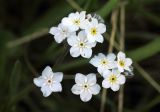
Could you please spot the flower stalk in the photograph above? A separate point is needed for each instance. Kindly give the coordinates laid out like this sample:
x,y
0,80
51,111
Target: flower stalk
x,y
122,47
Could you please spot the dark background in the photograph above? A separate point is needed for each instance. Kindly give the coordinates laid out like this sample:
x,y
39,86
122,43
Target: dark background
x,y
21,59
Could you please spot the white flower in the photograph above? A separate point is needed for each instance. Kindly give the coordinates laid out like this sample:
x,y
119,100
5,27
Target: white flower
x,y
123,63
103,62
60,33
80,45
95,30
113,79
75,21
49,81
85,86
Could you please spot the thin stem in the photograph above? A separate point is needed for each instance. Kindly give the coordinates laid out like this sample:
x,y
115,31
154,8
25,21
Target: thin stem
x,y
29,65
116,45
114,29
122,47
74,5
103,99
122,27
112,38
28,38
147,77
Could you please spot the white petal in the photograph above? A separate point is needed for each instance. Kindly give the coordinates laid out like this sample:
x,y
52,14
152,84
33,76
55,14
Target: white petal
x,y
127,68
99,38
58,76
121,79
94,22
82,35
115,87
116,72
106,73
91,79
46,91
72,15
121,55
85,96
66,21
101,28
100,70
74,51
76,89
80,78
91,44
59,38
38,81
47,71
86,53
82,15
106,84
111,56
56,87
112,65
95,61
91,38
120,69
72,40
101,55
73,28
84,24
128,61
54,30
95,89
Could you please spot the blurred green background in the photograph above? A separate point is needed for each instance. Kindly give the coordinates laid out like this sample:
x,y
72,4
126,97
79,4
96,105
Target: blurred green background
x,y
26,48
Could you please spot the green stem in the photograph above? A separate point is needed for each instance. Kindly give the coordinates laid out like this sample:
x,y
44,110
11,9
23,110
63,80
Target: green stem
x,y
147,77
122,47
74,5
112,38
28,38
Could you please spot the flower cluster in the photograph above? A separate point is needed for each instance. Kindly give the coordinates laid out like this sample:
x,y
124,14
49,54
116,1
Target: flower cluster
x,y
82,32
112,69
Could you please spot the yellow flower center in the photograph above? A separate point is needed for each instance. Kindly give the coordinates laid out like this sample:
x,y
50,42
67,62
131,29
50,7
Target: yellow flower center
x,y
104,61
112,79
76,22
85,86
81,44
93,31
121,63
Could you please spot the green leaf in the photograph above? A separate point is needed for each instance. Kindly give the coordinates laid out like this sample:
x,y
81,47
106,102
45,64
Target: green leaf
x,y
107,8
14,85
5,37
53,16
15,78
71,65
145,51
